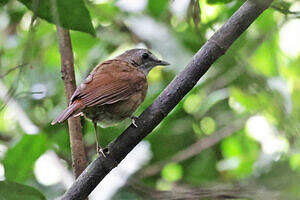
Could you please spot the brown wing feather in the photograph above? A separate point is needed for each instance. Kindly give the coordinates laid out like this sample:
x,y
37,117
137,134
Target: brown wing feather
x,y
109,83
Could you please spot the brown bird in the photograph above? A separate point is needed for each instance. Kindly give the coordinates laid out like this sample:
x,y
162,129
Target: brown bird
x,y
113,90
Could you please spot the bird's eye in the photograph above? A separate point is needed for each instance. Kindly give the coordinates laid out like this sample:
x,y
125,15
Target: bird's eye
x,y
145,55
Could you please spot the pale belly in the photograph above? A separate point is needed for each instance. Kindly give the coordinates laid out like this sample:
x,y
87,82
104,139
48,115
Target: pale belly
x,y
112,114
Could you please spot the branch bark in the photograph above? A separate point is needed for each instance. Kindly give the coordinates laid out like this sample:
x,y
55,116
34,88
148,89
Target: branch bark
x,y
68,77
214,48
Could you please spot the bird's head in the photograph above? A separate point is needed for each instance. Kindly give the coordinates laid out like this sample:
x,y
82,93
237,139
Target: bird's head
x,y
142,59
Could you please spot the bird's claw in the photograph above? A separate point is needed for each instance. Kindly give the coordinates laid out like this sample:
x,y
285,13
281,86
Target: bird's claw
x,y
133,118
101,151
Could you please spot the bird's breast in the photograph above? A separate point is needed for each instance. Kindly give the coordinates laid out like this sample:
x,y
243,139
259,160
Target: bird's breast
x,y
112,114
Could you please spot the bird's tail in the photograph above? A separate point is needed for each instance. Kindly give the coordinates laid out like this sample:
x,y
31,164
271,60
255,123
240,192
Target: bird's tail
x,y
71,110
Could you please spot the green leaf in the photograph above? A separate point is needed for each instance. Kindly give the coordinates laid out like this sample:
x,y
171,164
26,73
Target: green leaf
x,y
105,12
295,161
264,59
19,160
244,149
292,70
157,7
15,191
71,14
201,168
266,22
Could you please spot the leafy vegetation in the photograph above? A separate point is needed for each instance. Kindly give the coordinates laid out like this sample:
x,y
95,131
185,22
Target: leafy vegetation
x,y
246,109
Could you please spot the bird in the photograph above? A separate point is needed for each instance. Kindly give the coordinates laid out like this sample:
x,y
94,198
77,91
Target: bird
x,y
113,90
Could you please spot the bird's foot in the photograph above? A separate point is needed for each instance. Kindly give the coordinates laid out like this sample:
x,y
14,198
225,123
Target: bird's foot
x,y
133,119
106,150
102,152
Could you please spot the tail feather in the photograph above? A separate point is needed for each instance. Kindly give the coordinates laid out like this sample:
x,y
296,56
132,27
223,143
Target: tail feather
x,y
71,110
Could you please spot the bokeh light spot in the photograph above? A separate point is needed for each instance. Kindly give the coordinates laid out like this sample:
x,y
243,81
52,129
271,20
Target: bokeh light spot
x,y
46,171
172,172
192,103
208,125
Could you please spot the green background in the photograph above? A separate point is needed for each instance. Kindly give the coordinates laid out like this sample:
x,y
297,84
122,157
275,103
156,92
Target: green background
x,y
238,128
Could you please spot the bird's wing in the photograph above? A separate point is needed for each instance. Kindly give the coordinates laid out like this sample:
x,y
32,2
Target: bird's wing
x,y
110,82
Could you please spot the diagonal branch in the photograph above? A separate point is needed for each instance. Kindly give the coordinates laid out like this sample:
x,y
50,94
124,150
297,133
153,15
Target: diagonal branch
x,y
217,191
68,76
214,48
11,70
195,148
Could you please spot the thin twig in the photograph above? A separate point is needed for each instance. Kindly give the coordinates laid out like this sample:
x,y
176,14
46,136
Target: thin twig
x,y
284,11
68,76
195,148
13,88
12,69
4,137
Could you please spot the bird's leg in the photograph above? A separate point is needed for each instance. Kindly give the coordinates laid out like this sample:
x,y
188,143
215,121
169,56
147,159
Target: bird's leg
x,y
133,118
99,149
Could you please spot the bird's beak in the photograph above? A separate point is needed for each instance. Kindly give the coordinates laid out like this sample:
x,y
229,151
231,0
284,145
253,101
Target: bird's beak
x,y
163,63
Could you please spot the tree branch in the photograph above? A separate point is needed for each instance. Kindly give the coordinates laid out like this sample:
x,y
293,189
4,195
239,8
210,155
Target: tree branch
x,y
68,77
214,48
11,70
215,192
195,148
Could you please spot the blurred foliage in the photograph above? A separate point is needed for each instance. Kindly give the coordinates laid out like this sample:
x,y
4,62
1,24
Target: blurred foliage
x,y
258,78
26,151
69,14
15,191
